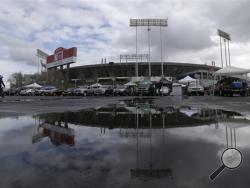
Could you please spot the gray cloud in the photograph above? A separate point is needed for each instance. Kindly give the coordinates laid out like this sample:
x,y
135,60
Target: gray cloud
x,y
192,26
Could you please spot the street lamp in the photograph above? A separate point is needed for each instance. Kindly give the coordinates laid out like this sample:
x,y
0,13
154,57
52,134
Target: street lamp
x,y
75,80
147,23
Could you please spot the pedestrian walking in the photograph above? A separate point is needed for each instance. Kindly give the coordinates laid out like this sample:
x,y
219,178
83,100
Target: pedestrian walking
x,y
2,85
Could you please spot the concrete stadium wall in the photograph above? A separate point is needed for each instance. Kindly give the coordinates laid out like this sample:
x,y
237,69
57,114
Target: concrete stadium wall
x,y
92,72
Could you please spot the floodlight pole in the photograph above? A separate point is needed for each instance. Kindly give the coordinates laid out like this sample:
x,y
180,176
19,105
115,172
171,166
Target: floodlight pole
x,y
149,63
148,23
136,51
229,59
221,53
162,71
227,38
225,51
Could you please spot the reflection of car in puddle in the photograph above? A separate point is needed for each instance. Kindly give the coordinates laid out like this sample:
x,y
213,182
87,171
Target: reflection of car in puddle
x,y
58,132
123,115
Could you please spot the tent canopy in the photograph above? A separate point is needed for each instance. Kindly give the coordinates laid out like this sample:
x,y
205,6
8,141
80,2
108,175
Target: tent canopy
x,y
145,82
130,84
34,85
186,80
96,85
231,71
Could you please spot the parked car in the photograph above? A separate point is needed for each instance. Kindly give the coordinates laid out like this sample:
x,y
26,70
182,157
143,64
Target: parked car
x,y
27,92
69,92
104,90
145,88
164,90
81,90
11,91
107,90
50,91
92,90
230,86
121,90
195,88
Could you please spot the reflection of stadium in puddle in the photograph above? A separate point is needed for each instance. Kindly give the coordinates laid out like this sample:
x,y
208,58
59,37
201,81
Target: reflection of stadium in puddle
x,y
58,132
130,144
139,120
124,115
135,119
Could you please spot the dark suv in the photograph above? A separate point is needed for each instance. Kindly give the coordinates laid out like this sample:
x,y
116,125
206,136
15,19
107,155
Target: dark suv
x,y
230,86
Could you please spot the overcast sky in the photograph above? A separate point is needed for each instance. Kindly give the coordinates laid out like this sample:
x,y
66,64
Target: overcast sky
x,y
100,28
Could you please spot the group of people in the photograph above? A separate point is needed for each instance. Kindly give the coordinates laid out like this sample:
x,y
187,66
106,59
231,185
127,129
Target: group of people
x,y
1,86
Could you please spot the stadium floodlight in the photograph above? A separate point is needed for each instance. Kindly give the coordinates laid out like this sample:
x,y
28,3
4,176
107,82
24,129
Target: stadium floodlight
x,y
223,34
149,23
226,37
134,56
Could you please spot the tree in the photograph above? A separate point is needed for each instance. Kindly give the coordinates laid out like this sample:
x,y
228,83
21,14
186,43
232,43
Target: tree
x,y
16,80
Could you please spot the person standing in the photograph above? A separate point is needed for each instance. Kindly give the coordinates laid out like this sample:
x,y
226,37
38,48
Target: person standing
x,y
2,85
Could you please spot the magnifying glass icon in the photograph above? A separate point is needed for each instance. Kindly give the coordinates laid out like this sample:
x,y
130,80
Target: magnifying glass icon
x,y
231,158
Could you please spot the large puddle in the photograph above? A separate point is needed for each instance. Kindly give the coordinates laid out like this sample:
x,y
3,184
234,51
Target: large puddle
x,y
130,144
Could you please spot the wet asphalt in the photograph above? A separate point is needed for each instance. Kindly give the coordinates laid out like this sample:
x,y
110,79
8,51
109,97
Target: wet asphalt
x,y
17,105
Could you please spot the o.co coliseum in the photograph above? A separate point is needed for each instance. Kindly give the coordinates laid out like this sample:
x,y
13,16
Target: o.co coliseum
x,y
117,72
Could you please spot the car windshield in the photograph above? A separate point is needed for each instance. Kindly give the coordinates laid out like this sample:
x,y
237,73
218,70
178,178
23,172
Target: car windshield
x,y
83,87
106,86
194,84
120,87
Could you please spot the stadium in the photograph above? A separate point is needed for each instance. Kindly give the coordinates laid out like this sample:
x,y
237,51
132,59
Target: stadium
x,y
60,72
123,72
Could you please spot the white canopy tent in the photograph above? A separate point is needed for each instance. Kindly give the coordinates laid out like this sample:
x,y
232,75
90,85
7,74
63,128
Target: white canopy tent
x,y
34,85
130,84
186,80
96,85
232,71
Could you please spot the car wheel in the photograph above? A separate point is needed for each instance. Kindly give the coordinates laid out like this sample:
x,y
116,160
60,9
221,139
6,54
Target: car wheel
x,y
220,93
243,94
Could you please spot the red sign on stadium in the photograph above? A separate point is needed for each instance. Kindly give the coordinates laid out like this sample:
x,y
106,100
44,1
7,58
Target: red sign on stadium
x,y
61,57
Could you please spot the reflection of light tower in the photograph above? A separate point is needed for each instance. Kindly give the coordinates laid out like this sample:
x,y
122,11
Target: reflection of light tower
x,y
147,23
151,171
231,157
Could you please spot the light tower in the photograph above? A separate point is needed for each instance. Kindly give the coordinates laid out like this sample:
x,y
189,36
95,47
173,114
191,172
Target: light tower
x,y
226,37
149,23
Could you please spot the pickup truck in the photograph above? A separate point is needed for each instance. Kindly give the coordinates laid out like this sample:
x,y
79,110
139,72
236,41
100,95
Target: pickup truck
x,y
145,88
195,88
230,86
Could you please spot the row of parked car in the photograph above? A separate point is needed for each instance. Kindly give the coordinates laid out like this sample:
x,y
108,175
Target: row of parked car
x,y
224,87
106,90
47,91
